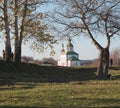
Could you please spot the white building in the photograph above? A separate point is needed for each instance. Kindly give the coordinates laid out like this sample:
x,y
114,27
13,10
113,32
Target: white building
x,y
69,58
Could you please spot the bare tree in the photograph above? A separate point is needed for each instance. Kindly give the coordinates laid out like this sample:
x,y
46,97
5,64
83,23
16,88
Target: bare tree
x,y
91,17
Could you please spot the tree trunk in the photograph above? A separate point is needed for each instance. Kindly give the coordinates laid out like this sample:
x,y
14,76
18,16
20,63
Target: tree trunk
x,y
102,71
7,37
7,52
17,56
16,49
19,38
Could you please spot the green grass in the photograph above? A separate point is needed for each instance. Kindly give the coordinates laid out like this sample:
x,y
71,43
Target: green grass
x,y
33,86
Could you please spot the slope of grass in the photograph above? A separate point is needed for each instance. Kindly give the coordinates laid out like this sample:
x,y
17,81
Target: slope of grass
x,y
35,73
33,86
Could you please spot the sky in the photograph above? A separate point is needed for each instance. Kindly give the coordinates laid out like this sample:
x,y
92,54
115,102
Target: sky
x,y
82,45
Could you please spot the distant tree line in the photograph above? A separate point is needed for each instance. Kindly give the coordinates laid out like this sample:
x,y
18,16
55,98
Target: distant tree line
x,y
50,61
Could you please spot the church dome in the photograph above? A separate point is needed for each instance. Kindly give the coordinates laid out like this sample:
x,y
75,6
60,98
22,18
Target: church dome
x,y
69,45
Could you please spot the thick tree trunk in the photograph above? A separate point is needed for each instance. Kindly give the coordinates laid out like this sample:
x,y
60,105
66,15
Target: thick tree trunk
x,y
102,71
16,49
7,38
17,56
7,52
19,38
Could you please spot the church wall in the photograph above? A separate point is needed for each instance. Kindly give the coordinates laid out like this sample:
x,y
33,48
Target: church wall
x,y
69,63
62,61
78,63
73,63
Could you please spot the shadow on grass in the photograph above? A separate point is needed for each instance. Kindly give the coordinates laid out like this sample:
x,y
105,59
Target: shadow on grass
x,y
115,68
21,107
51,106
18,87
57,107
25,72
117,77
87,103
99,103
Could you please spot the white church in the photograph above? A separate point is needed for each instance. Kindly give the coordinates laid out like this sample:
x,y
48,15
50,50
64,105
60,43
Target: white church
x,y
69,58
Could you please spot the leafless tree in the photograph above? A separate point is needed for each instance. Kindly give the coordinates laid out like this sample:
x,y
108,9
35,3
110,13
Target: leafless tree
x,y
90,17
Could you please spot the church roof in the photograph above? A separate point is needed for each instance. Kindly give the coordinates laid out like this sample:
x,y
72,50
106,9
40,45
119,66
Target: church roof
x,y
73,59
72,53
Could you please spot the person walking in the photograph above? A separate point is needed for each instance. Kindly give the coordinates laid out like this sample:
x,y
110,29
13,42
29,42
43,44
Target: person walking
x,y
111,62
3,54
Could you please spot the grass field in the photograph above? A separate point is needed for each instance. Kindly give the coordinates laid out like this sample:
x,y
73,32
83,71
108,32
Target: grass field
x,y
33,86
